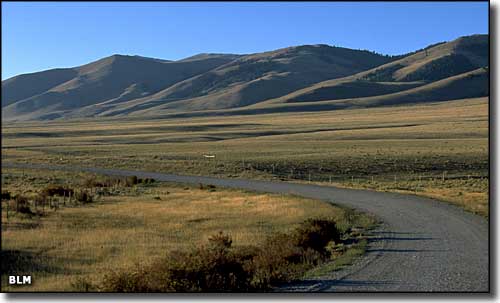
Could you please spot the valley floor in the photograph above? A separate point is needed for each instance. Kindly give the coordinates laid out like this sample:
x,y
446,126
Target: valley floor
x,y
435,149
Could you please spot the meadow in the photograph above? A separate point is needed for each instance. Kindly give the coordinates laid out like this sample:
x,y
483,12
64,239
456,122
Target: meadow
x,y
137,225
434,149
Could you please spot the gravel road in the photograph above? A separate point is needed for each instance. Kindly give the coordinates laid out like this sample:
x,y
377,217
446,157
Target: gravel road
x,y
423,245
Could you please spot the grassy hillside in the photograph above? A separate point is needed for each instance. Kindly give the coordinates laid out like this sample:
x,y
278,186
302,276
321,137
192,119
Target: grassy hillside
x,y
467,85
471,84
120,84
443,72
437,62
432,64
351,89
28,85
106,82
254,78
300,78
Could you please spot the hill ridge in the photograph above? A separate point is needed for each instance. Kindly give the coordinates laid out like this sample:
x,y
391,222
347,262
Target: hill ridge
x,y
135,85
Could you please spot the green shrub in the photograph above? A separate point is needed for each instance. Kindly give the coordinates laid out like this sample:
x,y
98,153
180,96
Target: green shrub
x,y
146,181
6,195
213,267
110,181
218,267
316,234
89,182
22,205
132,280
83,196
40,199
57,190
81,284
275,262
131,180
220,241
208,268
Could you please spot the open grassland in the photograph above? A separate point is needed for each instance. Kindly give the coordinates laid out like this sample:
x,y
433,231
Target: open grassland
x,y
436,149
138,225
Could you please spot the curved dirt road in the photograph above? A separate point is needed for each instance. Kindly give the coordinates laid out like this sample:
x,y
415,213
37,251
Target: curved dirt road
x,y
423,245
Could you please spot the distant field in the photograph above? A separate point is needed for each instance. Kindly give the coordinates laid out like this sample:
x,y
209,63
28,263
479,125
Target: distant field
x,y
434,149
138,225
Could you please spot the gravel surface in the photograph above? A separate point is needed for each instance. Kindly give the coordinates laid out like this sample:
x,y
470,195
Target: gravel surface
x,y
423,245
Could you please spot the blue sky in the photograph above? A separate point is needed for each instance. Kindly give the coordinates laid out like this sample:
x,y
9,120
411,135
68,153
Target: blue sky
x,y
38,36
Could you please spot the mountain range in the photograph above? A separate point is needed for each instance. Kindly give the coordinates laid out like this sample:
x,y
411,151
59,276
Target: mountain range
x,y
299,78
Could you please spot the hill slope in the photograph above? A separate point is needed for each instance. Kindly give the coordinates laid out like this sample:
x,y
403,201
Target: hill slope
x,y
253,78
308,77
426,66
114,79
467,85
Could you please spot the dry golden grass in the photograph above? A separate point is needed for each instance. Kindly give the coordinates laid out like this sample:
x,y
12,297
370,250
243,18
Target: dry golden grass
x,y
476,202
381,148
118,231
407,141
472,194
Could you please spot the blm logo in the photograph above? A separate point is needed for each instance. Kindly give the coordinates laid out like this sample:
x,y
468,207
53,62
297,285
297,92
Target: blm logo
x,y
19,280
